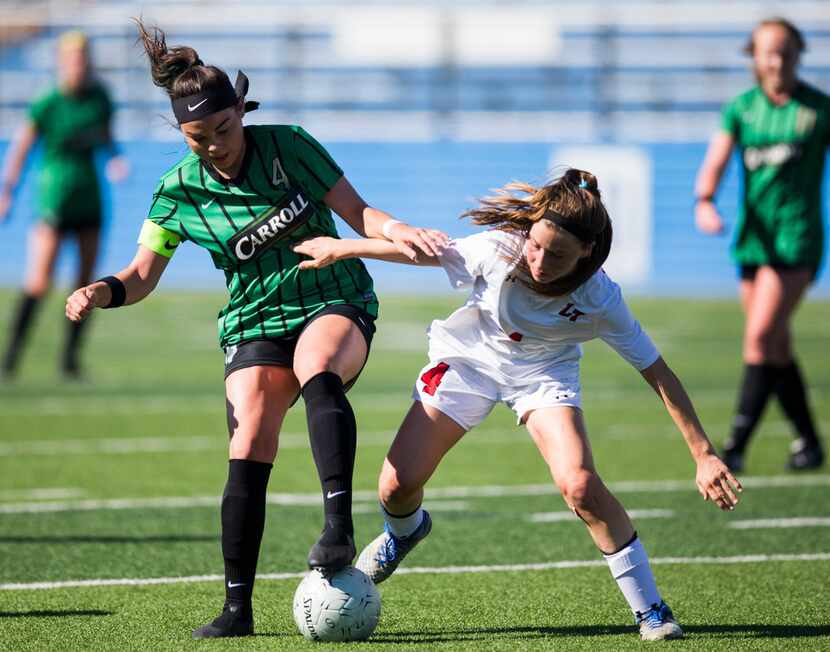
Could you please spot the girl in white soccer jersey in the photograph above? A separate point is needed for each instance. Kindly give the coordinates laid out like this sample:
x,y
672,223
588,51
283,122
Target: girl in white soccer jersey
x,y
537,293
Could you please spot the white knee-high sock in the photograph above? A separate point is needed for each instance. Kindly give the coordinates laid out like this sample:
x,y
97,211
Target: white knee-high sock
x,y
631,570
403,526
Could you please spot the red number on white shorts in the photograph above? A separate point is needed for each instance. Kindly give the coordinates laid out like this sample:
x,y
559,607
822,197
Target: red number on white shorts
x,y
432,377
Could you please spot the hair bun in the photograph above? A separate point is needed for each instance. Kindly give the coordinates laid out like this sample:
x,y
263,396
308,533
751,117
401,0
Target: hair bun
x,y
582,179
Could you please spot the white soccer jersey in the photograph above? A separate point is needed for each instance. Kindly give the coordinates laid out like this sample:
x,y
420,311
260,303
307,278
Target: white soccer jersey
x,y
514,334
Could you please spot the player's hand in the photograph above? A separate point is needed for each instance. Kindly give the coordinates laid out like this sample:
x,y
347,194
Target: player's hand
x,y
707,218
716,483
322,250
5,205
411,239
117,169
82,302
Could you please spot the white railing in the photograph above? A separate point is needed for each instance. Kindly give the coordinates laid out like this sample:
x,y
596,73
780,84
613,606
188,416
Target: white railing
x,y
605,70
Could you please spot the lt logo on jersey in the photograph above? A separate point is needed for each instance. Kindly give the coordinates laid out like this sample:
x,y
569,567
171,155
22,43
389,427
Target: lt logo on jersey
x,y
571,312
271,226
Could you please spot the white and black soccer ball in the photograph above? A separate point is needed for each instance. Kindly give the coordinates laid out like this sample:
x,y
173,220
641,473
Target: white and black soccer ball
x,y
342,607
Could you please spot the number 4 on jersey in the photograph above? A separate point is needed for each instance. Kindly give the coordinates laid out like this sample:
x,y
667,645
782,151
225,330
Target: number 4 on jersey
x,y
278,175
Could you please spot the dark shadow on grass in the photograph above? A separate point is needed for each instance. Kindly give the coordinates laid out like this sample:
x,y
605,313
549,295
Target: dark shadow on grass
x,y
483,633
760,630
53,614
150,538
754,630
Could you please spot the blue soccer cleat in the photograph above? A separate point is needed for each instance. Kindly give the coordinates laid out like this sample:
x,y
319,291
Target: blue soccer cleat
x,y
658,623
381,557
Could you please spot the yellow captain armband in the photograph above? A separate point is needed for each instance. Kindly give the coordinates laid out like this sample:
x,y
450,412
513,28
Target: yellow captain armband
x,y
158,240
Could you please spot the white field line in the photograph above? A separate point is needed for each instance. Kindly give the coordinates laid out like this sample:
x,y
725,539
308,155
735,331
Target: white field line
x,y
120,404
299,440
365,503
397,401
556,517
170,502
130,445
802,521
772,428
432,570
479,491
42,493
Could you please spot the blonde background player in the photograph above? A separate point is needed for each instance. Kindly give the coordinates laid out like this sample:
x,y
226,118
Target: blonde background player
x,y
537,293
72,120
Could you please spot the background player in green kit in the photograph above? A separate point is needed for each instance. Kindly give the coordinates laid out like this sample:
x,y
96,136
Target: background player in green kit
x,y
72,120
782,129
247,195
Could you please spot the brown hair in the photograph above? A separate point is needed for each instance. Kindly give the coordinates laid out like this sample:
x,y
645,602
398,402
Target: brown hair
x,y
178,70
793,31
573,199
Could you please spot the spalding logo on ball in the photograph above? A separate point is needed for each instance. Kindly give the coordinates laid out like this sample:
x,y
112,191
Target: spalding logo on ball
x,y
342,607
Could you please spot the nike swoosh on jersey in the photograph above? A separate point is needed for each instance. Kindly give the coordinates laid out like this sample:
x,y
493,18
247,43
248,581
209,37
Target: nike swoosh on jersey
x,y
207,204
332,494
196,106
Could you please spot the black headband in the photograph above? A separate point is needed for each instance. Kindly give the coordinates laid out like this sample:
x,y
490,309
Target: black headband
x,y
571,227
211,100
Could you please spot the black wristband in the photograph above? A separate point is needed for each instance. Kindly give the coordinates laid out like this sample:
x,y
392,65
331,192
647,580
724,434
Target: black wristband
x,y
117,289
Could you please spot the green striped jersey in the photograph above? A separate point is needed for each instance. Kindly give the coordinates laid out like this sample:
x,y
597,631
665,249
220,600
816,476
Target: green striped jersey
x,y
249,225
782,150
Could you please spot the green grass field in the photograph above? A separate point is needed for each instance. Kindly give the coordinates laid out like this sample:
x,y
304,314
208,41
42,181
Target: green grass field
x,y
118,478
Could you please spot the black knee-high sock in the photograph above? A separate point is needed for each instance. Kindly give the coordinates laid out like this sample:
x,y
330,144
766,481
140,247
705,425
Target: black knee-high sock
x,y
20,327
759,381
243,521
333,434
792,395
73,341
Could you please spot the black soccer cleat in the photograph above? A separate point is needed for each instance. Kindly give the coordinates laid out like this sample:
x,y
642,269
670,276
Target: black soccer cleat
x,y
733,459
235,620
71,371
333,550
8,370
804,457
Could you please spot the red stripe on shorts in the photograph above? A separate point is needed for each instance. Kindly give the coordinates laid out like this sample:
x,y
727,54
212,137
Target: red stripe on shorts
x,y
432,377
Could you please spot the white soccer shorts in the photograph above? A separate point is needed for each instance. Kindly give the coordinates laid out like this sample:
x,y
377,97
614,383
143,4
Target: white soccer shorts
x,y
467,395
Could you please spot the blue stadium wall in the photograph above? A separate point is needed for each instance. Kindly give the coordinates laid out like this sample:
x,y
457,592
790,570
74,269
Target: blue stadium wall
x,y
429,184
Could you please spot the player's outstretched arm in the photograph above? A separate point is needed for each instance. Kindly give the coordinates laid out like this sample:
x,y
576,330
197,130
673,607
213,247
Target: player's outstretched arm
x,y
324,251
714,480
15,159
135,282
412,241
707,218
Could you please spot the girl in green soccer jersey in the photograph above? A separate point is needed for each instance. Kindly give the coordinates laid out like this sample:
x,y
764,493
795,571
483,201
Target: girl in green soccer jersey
x,y
247,194
782,129
71,120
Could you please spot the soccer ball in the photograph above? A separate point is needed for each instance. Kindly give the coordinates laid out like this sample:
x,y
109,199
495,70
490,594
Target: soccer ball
x,y
342,607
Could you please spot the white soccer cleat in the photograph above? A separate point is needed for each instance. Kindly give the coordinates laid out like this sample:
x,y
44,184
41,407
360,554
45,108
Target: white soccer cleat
x,y
658,624
381,557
